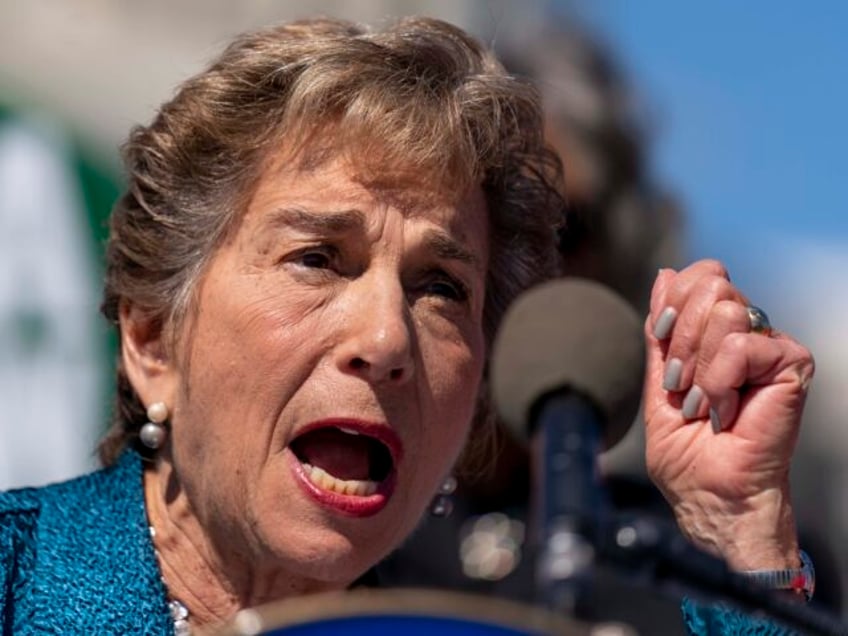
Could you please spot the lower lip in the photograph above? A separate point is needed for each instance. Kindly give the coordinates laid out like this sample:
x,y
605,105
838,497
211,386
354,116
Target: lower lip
x,y
349,505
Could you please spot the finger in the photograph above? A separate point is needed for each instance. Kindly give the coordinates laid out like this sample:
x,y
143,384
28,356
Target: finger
x,y
654,396
658,292
687,337
753,361
724,317
671,289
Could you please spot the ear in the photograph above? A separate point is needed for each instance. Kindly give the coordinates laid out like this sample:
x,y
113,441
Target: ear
x,y
148,362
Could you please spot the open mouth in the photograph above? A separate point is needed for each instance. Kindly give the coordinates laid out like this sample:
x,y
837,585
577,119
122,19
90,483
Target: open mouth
x,y
345,459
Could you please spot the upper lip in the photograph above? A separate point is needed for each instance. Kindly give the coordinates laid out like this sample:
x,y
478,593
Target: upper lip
x,y
380,431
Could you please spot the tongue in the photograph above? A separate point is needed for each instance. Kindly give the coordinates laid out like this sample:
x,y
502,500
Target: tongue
x,y
342,455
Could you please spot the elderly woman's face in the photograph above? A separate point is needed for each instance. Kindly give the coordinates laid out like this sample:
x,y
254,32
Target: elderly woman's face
x,y
326,382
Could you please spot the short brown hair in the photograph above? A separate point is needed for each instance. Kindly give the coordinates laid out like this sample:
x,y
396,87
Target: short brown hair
x,y
422,104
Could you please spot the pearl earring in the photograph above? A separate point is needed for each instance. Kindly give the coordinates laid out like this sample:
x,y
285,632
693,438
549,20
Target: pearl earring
x,y
153,433
442,504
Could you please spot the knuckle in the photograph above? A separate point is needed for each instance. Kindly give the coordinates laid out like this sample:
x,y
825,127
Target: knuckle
x,y
734,343
729,312
719,287
716,268
807,367
803,360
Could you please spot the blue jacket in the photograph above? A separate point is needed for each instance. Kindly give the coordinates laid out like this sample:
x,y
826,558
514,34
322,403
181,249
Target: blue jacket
x,y
76,558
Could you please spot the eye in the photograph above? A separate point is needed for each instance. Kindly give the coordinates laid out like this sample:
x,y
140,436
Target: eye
x,y
445,286
316,257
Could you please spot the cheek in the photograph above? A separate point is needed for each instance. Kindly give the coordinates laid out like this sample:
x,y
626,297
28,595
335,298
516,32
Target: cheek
x,y
454,376
246,360
265,331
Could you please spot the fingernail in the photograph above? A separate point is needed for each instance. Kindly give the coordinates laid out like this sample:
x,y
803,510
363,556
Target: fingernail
x,y
673,371
692,402
665,323
714,421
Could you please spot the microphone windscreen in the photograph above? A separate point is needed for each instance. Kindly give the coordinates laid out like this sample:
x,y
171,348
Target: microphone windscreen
x,y
574,335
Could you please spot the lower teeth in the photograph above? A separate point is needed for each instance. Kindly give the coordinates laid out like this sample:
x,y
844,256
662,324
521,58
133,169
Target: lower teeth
x,y
355,487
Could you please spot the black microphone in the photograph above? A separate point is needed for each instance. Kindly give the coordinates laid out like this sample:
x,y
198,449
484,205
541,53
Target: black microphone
x,y
567,372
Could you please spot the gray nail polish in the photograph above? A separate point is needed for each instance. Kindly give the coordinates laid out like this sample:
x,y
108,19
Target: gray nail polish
x,y
665,323
673,371
714,421
692,402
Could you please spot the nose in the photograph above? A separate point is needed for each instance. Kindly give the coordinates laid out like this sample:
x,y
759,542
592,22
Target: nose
x,y
378,335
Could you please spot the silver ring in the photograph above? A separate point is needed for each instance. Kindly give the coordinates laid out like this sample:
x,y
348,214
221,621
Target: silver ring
x,y
759,321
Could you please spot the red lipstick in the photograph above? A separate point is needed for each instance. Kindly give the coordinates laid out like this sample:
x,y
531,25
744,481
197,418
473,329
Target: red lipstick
x,y
347,465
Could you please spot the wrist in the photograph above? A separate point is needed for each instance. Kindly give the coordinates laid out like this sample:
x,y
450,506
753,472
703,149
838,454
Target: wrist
x,y
755,534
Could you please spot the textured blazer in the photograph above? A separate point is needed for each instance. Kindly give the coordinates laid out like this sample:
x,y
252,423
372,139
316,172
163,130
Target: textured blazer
x,y
77,558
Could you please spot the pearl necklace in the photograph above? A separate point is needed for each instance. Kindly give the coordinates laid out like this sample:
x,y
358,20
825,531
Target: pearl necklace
x,y
178,611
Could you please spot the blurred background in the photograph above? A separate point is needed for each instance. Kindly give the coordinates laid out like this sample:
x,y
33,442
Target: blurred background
x,y
728,128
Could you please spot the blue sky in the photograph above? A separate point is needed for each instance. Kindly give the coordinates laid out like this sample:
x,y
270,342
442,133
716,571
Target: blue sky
x,y
750,106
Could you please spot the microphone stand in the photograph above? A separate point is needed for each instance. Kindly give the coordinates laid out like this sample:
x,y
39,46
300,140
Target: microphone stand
x,y
567,442
579,529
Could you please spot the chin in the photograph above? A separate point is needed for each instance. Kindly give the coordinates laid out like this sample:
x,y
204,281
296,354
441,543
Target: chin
x,y
310,530
331,552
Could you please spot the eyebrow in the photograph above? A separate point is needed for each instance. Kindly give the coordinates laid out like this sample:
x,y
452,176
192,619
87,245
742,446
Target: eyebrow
x,y
329,222
448,248
341,221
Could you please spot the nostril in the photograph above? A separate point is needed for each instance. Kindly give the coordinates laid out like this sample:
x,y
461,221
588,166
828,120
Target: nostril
x,y
377,373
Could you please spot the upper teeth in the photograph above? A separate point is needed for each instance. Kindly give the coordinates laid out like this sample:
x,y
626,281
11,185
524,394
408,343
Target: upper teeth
x,y
349,431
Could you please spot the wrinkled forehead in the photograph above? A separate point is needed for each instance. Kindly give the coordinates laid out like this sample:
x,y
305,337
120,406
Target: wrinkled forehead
x,y
390,176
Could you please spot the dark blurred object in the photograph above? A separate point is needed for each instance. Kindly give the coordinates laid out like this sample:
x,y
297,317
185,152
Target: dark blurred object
x,y
621,226
481,550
